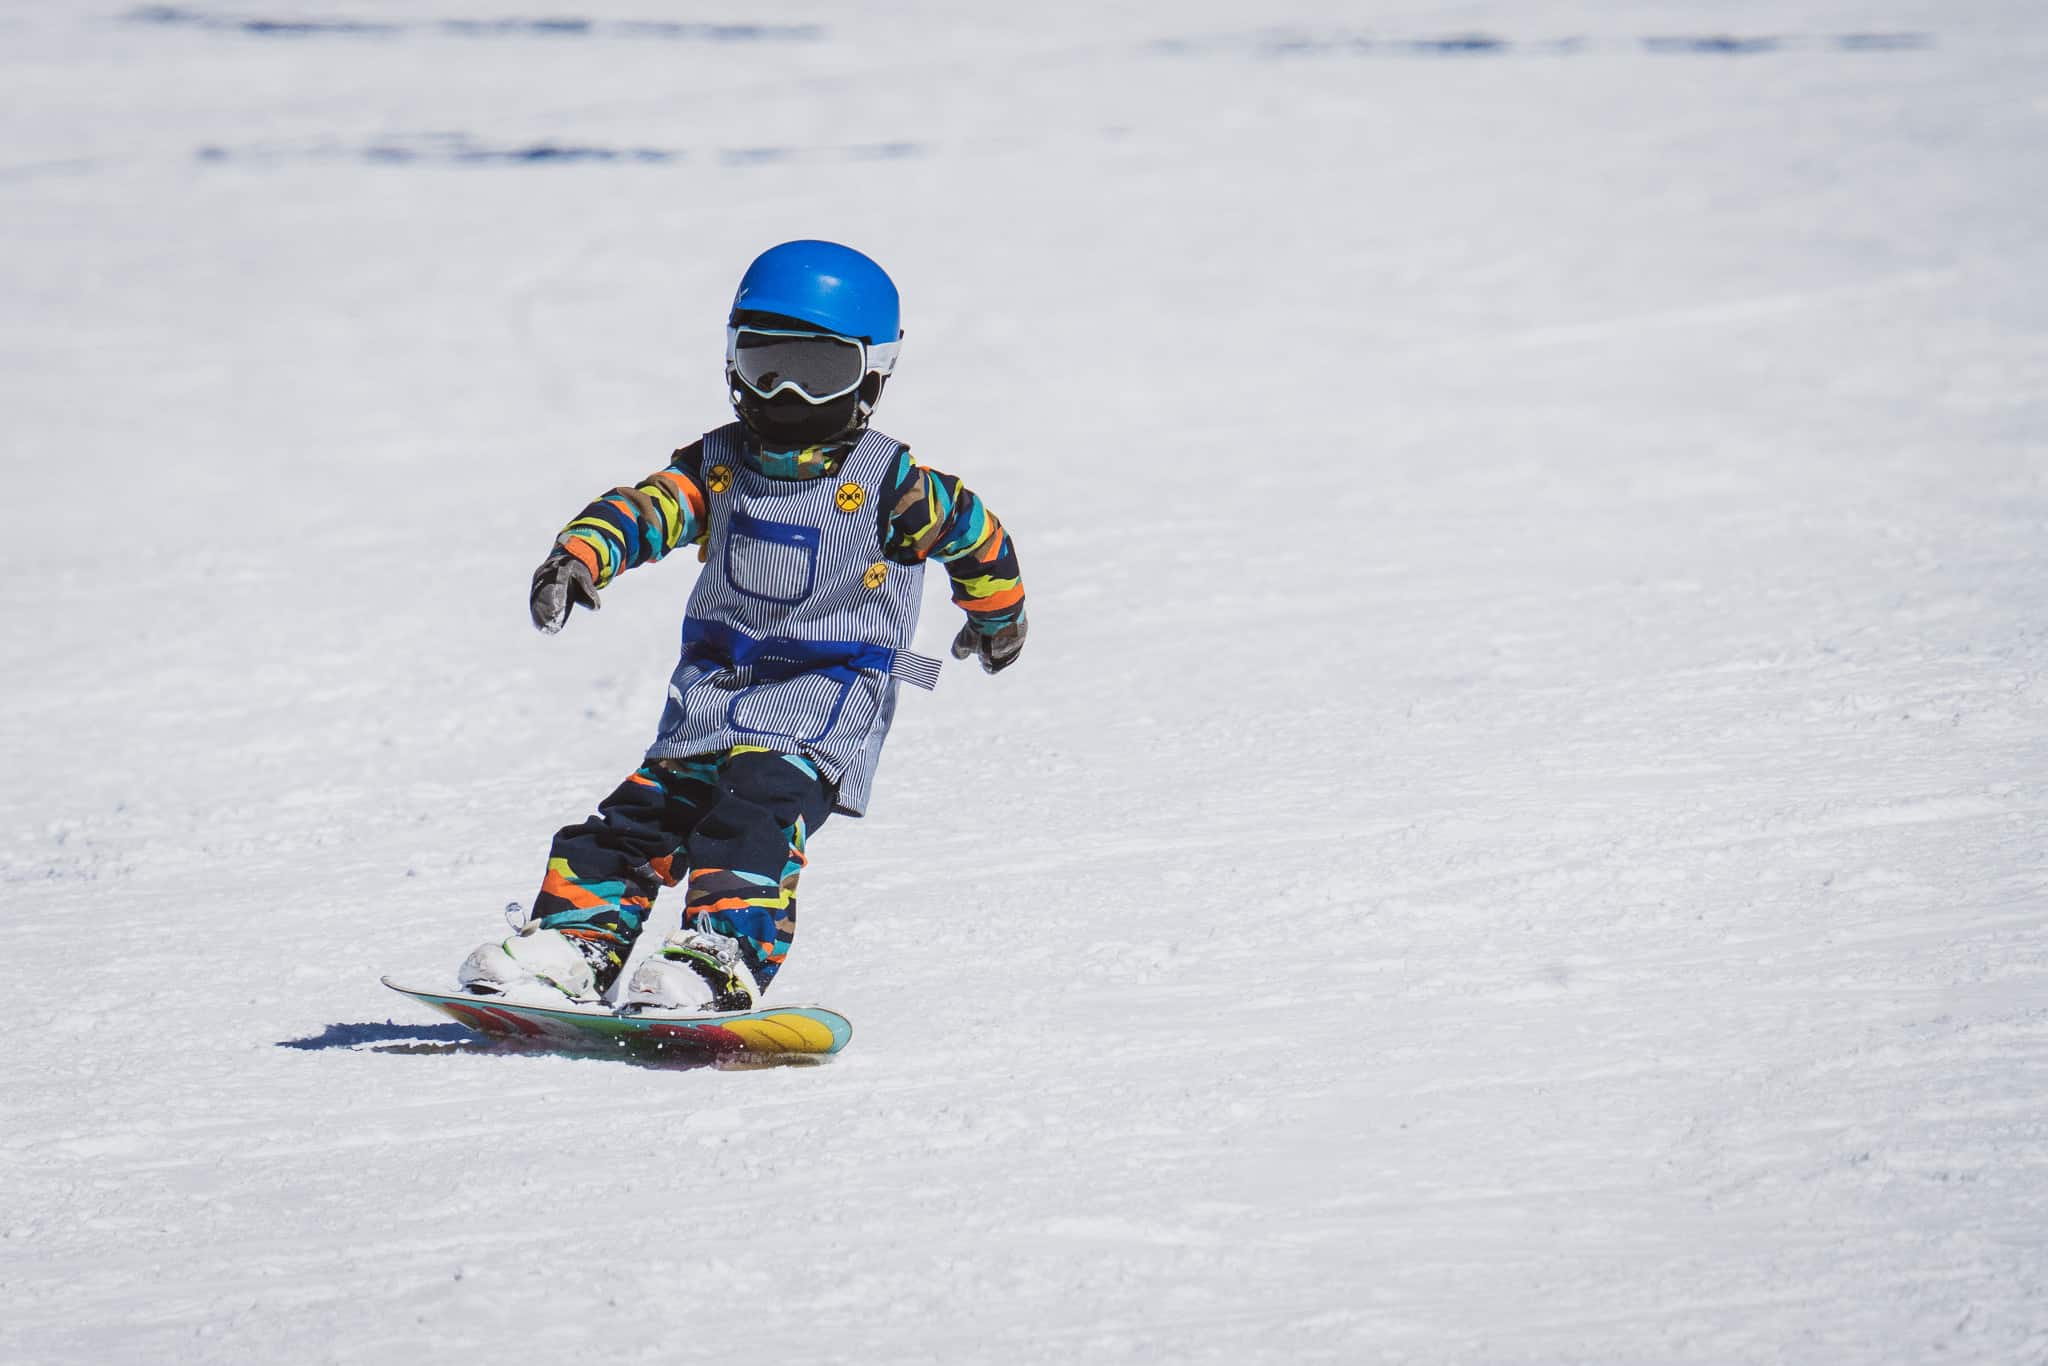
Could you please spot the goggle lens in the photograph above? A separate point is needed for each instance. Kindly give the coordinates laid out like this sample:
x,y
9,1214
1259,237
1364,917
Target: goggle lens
x,y
817,366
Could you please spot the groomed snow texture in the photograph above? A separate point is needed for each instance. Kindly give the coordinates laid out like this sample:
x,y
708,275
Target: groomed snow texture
x,y
1518,837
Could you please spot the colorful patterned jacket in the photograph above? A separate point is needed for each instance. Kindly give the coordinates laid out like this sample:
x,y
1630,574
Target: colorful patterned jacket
x,y
924,515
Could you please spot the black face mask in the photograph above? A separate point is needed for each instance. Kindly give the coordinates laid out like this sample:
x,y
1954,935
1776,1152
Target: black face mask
x,y
790,421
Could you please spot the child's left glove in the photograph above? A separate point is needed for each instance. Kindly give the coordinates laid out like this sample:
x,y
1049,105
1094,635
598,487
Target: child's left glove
x,y
997,650
561,582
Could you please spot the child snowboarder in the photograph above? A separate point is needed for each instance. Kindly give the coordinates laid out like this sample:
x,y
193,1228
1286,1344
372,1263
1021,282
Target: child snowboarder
x,y
813,530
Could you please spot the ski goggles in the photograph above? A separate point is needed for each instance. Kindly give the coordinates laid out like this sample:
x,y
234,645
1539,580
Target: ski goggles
x,y
817,365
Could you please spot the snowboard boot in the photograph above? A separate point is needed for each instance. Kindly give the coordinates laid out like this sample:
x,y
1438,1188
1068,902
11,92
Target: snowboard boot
x,y
695,972
580,963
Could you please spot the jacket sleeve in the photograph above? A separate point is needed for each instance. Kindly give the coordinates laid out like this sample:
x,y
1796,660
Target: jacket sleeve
x,y
633,526
933,516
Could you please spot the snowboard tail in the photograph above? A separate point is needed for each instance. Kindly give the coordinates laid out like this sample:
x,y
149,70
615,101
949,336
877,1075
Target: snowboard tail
x,y
768,1032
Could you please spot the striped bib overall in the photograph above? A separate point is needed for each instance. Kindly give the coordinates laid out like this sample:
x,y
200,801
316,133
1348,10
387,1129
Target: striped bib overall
x,y
799,626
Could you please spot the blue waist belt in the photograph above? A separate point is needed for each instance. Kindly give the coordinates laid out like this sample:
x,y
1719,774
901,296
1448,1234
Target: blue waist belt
x,y
773,659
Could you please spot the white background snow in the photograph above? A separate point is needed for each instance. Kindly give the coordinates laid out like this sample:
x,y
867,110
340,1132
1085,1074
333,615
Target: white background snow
x,y
1518,837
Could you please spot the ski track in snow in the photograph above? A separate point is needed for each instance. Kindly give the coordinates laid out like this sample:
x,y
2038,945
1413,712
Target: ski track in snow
x,y
1518,837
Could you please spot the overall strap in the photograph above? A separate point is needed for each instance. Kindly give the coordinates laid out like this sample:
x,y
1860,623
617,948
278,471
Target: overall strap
x,y
773,658
722,446
871,461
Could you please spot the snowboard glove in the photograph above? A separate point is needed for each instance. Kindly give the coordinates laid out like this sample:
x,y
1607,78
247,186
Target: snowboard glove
x,y
561,582
997,651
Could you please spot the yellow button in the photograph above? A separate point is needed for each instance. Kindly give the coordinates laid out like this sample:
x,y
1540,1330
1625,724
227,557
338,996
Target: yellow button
x,y
852,497
877,575
718,478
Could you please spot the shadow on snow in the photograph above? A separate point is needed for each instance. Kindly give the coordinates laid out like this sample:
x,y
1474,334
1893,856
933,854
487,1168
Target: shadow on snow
x,y
461,149
354,1035
1282,44
660,30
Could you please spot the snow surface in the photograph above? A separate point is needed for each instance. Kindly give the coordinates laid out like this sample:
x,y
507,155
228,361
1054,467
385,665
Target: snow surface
x,y
1519,836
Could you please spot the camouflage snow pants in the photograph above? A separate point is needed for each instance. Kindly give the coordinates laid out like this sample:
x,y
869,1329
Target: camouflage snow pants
x,y
733,823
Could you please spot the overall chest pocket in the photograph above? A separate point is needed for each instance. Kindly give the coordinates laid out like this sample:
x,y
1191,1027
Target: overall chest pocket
x,y
772,561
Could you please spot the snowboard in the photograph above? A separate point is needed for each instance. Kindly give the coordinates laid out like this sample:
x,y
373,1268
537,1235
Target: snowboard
x,y
784,1032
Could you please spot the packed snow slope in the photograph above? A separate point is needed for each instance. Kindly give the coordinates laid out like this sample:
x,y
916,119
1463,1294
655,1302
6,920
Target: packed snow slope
x,y
1518,836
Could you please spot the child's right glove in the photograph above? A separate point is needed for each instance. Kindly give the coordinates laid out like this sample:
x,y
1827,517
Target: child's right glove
x,y
561,582
997,651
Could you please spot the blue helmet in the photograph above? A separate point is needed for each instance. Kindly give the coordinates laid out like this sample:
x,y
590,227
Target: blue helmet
x,y
826,285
